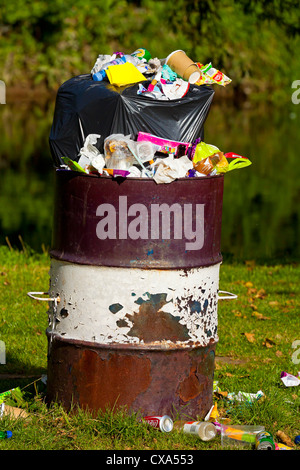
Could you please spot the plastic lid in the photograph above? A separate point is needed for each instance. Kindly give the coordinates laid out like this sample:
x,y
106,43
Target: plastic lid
x,y
194,77
8,433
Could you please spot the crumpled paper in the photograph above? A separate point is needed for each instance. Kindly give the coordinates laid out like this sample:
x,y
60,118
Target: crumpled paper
x,y
175,90
90,155
170,168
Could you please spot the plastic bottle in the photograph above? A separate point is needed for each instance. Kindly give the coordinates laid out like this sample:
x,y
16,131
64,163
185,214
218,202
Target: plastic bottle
x,y
99,76
240,435
5,434
205,430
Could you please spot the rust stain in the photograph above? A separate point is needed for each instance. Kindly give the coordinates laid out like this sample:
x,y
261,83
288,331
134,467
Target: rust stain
x,y
153,381
151,323
109,381
190,387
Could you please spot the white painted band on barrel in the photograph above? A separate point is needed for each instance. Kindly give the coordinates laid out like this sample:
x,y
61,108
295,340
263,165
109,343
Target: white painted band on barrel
x,y
99,303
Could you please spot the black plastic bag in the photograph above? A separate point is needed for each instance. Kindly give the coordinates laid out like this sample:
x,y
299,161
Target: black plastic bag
x,y
84,106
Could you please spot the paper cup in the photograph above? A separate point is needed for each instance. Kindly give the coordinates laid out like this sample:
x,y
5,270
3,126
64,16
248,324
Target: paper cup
x,y
192,74
180,63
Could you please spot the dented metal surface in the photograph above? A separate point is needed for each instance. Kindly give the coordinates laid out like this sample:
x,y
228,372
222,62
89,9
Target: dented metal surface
x,y
151,381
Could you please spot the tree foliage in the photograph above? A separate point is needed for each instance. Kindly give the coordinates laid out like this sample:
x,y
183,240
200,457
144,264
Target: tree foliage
x,y
254,43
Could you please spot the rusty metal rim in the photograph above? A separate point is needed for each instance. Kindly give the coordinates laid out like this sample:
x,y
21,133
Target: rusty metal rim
x,y
52,336
135,178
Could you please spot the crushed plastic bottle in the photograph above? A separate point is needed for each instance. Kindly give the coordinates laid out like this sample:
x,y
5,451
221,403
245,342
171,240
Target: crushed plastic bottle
x,y
99,76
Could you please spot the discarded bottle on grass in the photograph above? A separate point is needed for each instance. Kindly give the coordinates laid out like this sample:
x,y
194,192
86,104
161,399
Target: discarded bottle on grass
x,y
205,430
240,435
5,434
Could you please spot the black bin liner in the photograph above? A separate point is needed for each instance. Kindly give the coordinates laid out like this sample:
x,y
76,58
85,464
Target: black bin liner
x,y
84,106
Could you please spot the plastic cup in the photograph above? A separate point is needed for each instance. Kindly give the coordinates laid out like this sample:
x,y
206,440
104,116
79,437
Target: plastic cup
x,y
239,435
180,63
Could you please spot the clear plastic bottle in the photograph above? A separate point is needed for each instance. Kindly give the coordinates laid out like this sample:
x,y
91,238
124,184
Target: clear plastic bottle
x,y
204,429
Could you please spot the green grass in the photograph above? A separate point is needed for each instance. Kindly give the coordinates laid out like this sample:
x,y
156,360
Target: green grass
x,y
256,335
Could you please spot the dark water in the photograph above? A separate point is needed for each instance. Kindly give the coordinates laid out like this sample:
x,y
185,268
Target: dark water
x,y
260,205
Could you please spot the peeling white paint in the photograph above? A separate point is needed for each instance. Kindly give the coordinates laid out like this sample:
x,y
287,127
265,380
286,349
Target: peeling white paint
x,y
89,292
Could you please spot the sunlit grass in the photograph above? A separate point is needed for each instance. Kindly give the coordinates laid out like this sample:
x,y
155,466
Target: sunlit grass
x,y
256,335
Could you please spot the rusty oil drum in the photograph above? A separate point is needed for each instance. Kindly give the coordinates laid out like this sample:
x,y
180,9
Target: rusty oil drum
x,y
135,271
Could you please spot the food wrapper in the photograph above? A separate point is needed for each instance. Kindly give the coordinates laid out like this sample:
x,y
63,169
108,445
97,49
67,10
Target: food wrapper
x,y
289,380
217,162
210,76
13,393
245,396
204,150
161,144
209,160
116,173
280,446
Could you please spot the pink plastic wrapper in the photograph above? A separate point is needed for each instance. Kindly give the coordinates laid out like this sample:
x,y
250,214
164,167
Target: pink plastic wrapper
x,y
163,145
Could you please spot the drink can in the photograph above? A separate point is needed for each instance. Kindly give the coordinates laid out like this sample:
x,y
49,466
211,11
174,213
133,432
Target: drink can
x,y
264,441
164,423
142,54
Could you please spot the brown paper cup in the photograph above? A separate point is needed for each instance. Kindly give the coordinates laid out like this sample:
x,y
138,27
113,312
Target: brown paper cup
x,y
192,74
183,66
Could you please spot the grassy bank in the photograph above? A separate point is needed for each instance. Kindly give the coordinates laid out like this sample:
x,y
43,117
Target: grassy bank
x,y
256,336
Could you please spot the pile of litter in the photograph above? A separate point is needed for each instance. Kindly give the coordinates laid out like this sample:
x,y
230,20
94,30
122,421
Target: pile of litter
x,y
234,436
138,116
170,77
153,157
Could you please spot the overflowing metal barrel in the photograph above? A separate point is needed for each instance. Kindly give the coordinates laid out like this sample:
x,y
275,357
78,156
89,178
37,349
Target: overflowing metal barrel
x,y
135,277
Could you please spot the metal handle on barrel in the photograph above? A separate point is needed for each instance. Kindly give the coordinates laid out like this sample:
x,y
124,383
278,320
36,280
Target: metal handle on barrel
x,y
34,295
226,296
